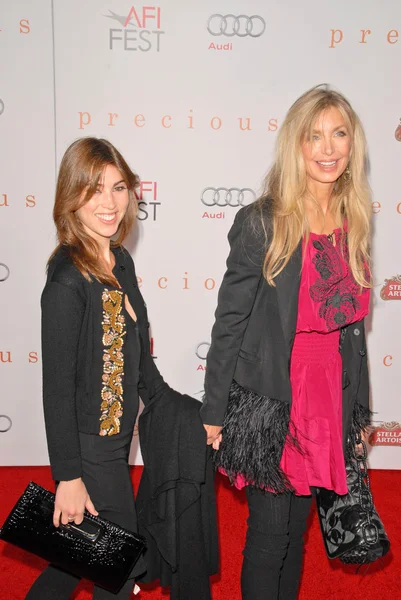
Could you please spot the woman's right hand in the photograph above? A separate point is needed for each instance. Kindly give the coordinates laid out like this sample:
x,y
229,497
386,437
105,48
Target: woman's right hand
x,y
214,435
72,499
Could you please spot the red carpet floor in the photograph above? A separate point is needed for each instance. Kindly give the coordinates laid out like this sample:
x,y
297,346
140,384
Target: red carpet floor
x,y
322,579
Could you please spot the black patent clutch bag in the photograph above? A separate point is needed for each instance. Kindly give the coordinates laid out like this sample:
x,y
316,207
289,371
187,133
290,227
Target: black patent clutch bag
x,y
97,549
351,527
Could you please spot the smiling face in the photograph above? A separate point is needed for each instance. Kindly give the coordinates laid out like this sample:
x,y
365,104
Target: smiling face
x,y
102,214
327,154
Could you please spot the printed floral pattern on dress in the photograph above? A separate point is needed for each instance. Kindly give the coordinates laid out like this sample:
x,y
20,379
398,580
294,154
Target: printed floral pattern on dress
x,y
336,288
113,325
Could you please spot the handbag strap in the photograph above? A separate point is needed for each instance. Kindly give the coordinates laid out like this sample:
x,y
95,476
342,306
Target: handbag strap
x,y
365,494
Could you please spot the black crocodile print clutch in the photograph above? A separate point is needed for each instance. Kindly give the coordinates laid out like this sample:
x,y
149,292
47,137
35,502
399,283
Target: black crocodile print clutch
x,y
97,549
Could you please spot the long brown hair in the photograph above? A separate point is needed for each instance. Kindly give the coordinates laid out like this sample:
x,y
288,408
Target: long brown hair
x,y
286,186
80,173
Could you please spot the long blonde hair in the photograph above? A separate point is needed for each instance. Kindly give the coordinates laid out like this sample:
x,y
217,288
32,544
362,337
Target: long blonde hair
x,y
286,187
81,170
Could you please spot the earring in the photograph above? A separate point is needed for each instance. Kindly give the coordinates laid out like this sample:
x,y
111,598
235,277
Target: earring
x,y
347,175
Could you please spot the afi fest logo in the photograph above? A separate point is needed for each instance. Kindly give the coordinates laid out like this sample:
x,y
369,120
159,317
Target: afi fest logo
x,y
221,197
391,289
234,26
147,201
140,29
386,434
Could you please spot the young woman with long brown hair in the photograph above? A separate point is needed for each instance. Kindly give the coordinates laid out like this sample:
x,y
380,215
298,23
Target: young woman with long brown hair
x,y
95,349
287,375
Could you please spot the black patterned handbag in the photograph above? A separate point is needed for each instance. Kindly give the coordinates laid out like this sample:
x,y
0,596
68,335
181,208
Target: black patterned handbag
x,y
351,528
97,549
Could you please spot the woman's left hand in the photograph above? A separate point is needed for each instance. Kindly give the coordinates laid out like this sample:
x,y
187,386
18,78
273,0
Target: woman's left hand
x,y
365,433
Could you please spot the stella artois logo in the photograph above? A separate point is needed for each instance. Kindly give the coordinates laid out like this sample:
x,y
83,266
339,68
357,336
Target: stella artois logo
x,y
386,434
391,289
397,133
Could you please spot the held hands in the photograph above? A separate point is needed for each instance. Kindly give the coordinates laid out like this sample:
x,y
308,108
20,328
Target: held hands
x,y
71,500
214,436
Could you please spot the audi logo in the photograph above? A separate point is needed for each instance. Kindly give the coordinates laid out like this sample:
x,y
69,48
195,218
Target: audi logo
x,y
1,106
201,350
4,272
5,423
227,196
241,25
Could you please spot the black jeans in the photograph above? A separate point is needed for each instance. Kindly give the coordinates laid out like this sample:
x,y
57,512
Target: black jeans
x,y
274,545
107,478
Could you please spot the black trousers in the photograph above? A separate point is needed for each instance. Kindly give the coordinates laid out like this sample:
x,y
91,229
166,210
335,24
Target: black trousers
x,y
273,551
107,478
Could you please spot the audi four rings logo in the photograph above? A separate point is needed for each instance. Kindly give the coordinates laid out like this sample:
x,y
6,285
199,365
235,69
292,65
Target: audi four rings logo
x,y
5,423
4,272
201,350
227,196
241,25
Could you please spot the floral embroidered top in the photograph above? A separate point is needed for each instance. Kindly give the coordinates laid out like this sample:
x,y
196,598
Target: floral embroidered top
x,y
330,297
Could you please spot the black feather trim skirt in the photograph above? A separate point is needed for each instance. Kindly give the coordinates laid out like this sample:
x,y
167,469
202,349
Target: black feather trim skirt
x,y
255,430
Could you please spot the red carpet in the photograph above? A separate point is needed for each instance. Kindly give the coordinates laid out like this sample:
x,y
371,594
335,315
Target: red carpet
x,y
321,579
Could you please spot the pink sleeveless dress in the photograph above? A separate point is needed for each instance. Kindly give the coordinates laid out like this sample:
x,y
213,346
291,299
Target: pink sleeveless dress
x,y
329,298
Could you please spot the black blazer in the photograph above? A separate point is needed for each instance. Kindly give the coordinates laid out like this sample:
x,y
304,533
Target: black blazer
x,y
73,312
255,325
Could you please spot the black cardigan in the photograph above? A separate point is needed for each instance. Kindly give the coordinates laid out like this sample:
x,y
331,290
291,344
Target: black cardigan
x,y
73,312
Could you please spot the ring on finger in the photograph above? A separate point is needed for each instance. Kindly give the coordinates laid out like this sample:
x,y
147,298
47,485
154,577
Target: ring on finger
x,y
70,518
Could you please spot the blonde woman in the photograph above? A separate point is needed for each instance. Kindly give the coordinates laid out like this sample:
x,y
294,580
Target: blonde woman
x,y
287,374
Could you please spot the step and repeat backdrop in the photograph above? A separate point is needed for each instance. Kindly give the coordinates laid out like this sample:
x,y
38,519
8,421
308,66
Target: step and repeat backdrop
x,y
192,93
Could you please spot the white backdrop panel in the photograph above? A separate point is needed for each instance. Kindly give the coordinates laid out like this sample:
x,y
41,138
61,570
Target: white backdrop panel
x,y
191,110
